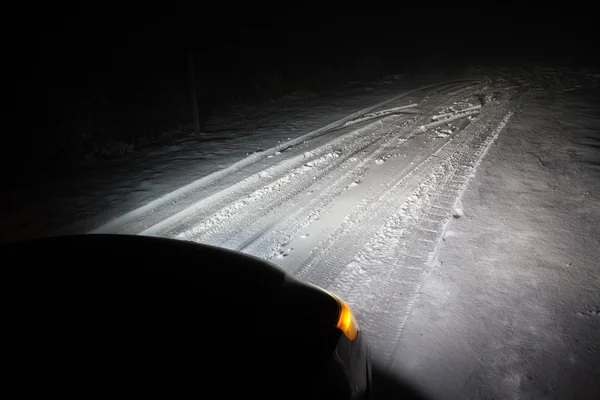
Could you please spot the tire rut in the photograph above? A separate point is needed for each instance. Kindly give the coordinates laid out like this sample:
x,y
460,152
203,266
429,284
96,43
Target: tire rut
x,y
232,211
393,270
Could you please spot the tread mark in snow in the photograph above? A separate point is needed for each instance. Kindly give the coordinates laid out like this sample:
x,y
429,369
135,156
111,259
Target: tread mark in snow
x,y
370,214
405,266
310,207
137,220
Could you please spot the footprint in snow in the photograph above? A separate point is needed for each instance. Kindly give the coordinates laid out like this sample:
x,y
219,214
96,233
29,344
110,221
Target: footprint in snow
x,y
284,253
458,210
443,133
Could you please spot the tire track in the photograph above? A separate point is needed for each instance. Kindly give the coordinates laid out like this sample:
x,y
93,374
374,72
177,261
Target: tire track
x,y
207,224
231,209
332,182
339,235
393,266
344,244
270,242
171,203
317,196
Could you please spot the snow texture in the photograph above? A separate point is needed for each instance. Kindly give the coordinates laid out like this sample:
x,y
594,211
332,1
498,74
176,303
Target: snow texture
x,y
459,218
510,308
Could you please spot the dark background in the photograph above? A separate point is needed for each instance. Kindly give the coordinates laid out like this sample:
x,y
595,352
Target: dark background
x,y
83,74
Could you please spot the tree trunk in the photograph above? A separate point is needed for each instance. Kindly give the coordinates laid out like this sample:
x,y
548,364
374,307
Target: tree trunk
x,y
194,99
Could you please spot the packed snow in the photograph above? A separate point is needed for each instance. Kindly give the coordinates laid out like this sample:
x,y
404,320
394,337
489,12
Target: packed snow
x,y
81,201
510,307
459,217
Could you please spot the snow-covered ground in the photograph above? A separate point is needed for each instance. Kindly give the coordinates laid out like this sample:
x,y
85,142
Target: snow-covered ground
x,y
457,215
511,306
82,201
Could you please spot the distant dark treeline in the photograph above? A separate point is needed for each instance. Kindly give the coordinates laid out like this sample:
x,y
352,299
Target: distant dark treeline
x,y
88,80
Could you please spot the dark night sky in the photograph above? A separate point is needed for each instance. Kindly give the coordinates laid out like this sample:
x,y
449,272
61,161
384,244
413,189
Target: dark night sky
x,y
72,45
104,41
60,53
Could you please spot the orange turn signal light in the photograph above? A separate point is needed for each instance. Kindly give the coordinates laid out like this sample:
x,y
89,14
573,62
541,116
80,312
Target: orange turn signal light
x,y
346,322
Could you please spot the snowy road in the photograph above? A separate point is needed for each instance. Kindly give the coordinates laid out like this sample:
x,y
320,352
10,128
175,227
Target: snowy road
x,y
358,208
459,218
